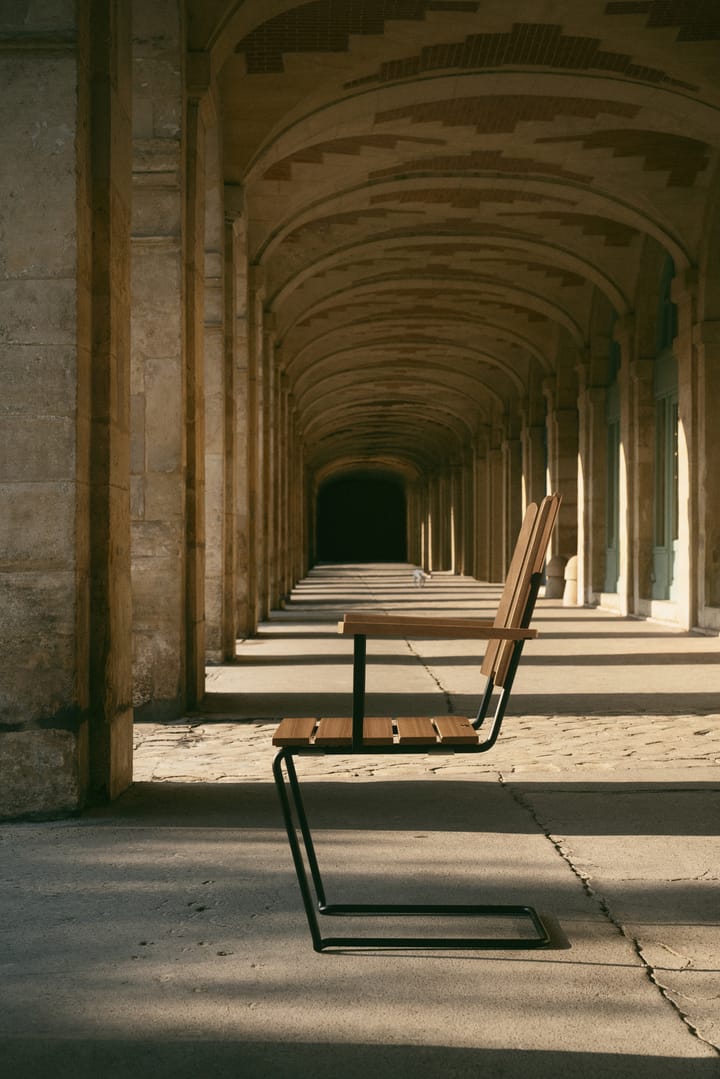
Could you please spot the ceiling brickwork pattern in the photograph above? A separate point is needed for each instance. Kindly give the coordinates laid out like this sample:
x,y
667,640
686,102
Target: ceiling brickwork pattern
x,y
446,198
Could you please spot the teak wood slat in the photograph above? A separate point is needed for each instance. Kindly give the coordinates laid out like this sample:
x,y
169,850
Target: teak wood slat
x,y
334,732
377,731
447,629
294,732
455,730
415,731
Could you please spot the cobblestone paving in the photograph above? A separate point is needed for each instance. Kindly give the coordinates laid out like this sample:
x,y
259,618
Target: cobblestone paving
x,y
671,679
194,750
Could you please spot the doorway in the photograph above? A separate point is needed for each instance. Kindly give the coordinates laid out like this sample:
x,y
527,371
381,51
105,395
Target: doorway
x,y
361,519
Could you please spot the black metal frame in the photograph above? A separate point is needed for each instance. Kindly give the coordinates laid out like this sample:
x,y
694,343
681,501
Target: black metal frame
x,y
304,854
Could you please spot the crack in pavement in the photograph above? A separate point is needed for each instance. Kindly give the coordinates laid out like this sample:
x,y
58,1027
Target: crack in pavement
x,y
602,903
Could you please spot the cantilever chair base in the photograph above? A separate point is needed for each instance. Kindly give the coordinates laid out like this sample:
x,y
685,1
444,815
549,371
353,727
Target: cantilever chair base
x,y
314,900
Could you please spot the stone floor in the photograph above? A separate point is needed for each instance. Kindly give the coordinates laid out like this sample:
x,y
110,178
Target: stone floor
x,y
164,934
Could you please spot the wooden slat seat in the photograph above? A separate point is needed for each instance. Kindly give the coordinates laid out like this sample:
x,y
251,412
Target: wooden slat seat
x,y
377,731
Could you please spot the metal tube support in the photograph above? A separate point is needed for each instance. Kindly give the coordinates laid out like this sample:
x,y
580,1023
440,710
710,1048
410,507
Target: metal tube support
x,y
359,659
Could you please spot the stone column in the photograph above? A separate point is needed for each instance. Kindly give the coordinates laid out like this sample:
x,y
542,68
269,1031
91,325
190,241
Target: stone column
x,y
707,342
455,514
266,472
109,194
232,324
238,417
562,443
468,533
434,538
687,573
496,507
65,687
199,119
637,418
592,477
215,388
624,335
534,464
512,495
445,519
280,488
158,359
252,418
481,504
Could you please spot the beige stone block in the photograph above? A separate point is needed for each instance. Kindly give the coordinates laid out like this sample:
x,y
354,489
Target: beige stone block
x,y
38,312
58,17
37,140
157,540
37,525
157,326
164,497
39,771
39,644
137,433
37,380
157,211
164,415
214,428
39,450
142,109
137,497
157,666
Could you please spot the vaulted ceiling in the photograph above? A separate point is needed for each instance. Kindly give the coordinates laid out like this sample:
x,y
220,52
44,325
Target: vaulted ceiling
x,y
441,193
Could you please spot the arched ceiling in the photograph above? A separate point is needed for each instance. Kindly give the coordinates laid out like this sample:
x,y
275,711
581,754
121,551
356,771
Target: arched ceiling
x,y
440,192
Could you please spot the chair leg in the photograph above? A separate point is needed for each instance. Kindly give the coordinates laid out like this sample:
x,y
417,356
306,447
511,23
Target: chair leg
x,y
296,821
291,803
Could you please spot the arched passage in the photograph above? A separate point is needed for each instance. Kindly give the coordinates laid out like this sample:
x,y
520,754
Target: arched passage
x,y
361,519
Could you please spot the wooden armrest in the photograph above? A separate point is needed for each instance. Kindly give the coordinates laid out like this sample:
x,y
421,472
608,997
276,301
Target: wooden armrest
x,y
413,619
447,628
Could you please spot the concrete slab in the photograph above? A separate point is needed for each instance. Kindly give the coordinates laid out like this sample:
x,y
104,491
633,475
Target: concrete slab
x,y
164,935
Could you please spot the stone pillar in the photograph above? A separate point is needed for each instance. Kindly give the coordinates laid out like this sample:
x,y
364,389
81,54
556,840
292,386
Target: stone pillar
x,y
637,418
199,119
280,488
434,524
624,335
230,296
266,471
445,490
158,437
467,480
496,508
65,687
238,369
109,196
215,388
252,420
562,443
684,294
534,464
512,495
455,519
481,504
707,342
592,478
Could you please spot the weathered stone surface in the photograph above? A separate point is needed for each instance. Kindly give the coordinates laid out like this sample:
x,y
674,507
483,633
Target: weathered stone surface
x,y
37,622
39,772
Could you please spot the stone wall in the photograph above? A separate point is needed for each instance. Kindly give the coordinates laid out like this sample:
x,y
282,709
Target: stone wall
x,y
64,557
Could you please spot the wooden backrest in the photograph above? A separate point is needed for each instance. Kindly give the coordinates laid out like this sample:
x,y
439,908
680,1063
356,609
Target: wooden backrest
x,y
527,560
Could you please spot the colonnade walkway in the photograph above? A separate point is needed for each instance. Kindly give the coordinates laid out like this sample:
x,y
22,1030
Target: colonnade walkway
x,y
163,935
